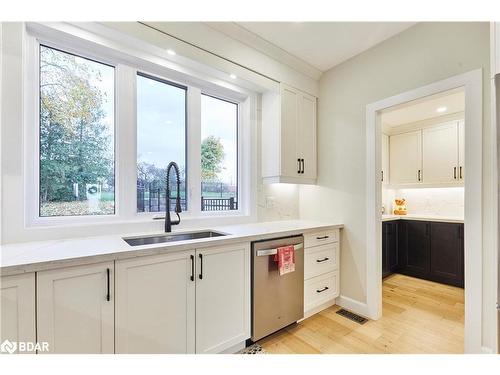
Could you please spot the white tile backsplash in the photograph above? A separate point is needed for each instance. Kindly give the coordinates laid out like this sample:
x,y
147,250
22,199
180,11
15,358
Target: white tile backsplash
x,y
434,201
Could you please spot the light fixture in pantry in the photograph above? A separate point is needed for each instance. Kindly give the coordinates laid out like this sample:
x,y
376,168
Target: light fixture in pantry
x,y
232,76
441,109
171,52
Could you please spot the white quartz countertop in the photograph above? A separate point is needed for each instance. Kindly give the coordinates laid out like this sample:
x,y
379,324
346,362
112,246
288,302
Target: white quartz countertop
x,y
36,256
424,217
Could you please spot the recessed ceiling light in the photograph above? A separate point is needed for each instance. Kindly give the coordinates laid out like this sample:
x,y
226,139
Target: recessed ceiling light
x,y
233,76
441,109
171,52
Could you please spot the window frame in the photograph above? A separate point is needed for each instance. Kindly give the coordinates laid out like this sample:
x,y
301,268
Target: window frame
x,y
238,156
186,127
126,68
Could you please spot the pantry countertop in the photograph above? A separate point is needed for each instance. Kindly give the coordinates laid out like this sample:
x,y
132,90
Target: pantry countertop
x,y
424,217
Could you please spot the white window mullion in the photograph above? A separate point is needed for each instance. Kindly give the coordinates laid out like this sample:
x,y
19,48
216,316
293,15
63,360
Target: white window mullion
x,y
193,149
126,141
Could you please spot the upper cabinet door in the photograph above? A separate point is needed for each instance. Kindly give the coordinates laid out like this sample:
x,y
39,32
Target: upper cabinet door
x,y
75,309
155,297
289,136
289,132
307,135
440,153
406,158
461,150
222,297
17,304
385,159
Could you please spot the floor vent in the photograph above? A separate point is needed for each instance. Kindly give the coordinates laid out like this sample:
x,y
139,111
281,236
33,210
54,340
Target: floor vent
x,y
350,315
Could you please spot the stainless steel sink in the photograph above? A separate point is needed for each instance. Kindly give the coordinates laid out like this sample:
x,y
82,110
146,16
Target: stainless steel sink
x,y
148,240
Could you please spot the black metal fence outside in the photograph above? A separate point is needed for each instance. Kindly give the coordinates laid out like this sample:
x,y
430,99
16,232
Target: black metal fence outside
x,y
153,199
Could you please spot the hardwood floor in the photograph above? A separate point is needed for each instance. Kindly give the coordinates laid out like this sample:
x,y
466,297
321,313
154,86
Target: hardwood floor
x,y
419,316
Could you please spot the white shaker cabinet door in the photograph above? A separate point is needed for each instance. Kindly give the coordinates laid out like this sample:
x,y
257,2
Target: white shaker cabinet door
x,y
307,135
75,309
155,304
461,150
406,158
385,160
222,297
289,132
17,308
440,153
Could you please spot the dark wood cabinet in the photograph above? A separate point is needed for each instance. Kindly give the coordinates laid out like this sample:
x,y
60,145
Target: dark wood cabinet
x,y
447,253
432,251
418,247
390,261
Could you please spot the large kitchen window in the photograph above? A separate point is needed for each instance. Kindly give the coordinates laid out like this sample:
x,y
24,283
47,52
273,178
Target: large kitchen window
x,y
102,127
161,138
76,135
219,154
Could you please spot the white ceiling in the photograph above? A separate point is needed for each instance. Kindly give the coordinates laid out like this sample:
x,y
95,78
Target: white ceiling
x,y
325,44
424,109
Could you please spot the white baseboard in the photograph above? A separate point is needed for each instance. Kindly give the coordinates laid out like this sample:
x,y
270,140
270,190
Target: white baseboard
x,y
353,305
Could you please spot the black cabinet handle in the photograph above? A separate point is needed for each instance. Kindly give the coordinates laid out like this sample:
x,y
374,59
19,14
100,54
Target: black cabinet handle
x,y
460,172
322,260
322,238
108,293
303,166
419,175
382,176
455,173
192,267
322,290
298,166
201,266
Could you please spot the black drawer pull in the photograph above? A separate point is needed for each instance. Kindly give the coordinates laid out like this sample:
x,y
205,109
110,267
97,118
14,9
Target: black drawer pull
x,y
108,294
192,267
322,238
322,290
298,166
322,260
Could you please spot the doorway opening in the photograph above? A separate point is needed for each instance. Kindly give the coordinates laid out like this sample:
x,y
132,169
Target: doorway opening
x,y
422,178
435,136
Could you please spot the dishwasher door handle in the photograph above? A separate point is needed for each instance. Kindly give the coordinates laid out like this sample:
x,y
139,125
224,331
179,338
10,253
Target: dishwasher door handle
x,y
267,252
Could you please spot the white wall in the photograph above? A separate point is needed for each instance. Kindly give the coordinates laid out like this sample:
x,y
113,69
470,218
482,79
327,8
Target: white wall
x,y
423,54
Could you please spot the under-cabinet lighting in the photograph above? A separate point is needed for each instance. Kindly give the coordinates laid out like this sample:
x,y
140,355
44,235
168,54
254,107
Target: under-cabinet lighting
x,y
233,76
171,52
441,109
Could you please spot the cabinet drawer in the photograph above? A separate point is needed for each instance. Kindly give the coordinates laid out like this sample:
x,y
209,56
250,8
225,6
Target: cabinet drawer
x,y
321,289
320,259
321,237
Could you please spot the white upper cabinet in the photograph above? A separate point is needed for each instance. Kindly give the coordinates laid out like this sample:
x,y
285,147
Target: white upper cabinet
x,y
461,150
406,158
385,160
155,304
222,297
17,302
289,136
75,309
495,48
440,153
432,156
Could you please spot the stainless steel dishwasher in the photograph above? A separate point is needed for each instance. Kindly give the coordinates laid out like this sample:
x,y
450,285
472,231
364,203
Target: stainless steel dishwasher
x,y
277,301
